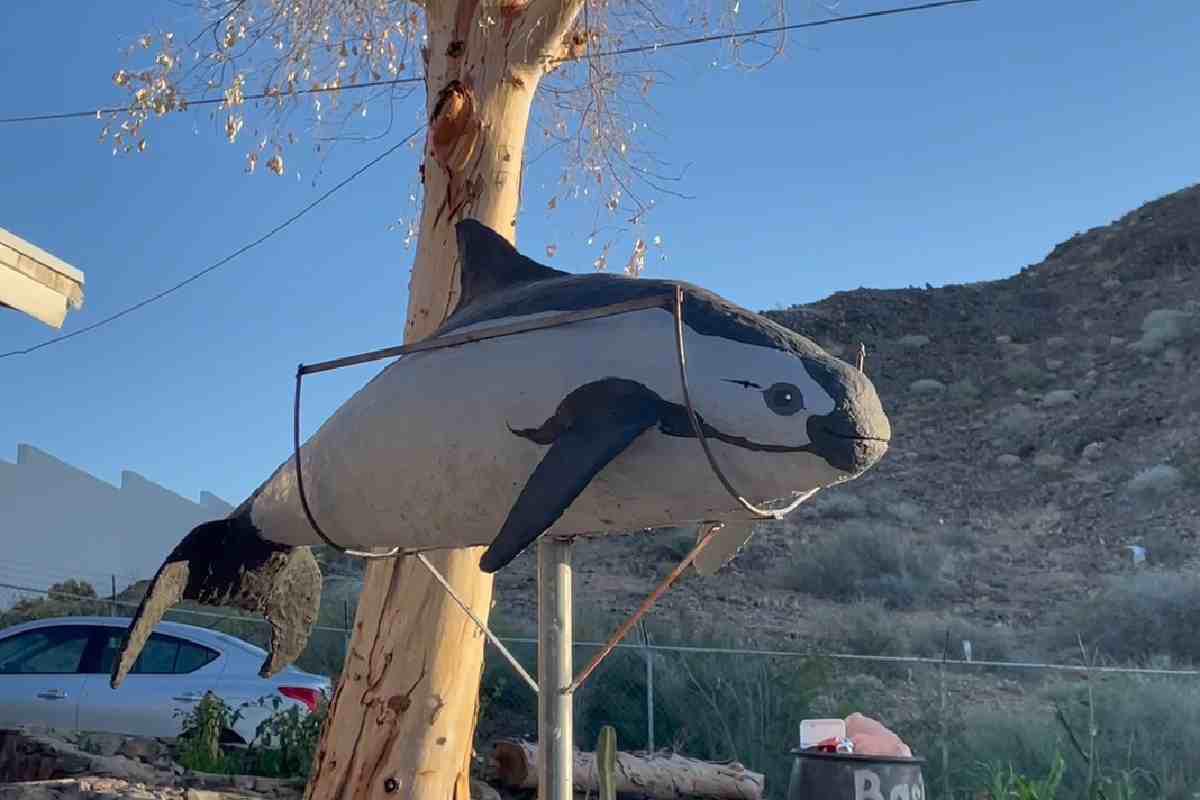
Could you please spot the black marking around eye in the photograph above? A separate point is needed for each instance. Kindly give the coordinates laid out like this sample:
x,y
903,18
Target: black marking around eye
x,y
743,384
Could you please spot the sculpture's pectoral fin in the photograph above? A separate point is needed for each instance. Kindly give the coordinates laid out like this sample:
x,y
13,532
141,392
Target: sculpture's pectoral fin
x,y
226,563
722,548
594,425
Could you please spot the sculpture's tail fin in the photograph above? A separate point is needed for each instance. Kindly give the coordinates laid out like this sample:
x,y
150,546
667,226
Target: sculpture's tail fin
x,y
226,563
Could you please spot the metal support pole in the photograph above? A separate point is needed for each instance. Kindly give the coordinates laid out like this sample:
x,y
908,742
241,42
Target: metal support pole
x,y
649,689
556,736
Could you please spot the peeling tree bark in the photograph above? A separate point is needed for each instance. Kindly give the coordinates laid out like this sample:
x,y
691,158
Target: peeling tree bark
x,y
403,715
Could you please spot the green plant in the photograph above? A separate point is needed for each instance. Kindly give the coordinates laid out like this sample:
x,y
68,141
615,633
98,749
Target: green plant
x,y
200,743
1122,786
1168,547
286,741
606,763
1005,783
964,391
1026,374
674,544
284,744
864,627
870,560
1139,616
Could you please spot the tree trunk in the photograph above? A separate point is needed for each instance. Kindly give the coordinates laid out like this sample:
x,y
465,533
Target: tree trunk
x,y
403,715
662,776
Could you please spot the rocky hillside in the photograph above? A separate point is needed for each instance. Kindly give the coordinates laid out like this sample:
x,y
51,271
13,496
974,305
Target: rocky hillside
x,y
1042,424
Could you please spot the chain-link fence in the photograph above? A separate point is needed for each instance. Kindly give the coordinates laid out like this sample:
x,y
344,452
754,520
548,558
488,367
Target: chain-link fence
x,y
1120,731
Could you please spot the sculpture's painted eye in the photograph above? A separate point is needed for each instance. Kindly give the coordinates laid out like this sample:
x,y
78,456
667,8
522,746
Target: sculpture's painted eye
x,y
784,399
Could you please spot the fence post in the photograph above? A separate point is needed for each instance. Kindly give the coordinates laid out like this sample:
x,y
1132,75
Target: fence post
x,y
113,609
945,727
649,688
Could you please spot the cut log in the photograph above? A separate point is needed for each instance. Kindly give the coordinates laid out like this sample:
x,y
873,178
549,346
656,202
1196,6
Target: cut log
x,y
661,776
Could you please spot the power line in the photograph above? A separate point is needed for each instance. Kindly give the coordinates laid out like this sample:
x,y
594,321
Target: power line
x,y
718,37
208,101
702,650
389,151
721,37
244,248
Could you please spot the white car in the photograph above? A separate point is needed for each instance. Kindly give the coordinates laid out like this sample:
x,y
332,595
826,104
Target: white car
x,y
54,673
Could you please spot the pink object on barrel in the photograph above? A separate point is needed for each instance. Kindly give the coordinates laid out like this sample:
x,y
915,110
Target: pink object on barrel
x,y
871,737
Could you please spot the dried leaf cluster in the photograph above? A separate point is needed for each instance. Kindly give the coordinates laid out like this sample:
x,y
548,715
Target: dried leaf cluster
x,y
276,71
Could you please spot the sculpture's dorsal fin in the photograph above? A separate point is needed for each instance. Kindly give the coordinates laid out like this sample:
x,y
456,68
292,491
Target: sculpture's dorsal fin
x,y
490,263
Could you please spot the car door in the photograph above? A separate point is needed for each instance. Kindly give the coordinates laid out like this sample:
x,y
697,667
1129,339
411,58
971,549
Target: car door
x,y
40,678
167,681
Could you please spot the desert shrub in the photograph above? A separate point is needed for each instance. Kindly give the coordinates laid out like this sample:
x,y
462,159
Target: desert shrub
x,y
927,386
866,628
1026,375
672,546
1166,326
838,504
1018,428
928,638
870,561
959,538
964,391
1155,481
1137,617
1147,733
905,511
720,707
1167,547
70,598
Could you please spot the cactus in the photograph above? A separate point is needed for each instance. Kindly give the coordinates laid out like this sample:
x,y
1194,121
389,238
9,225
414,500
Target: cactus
x,y
606,762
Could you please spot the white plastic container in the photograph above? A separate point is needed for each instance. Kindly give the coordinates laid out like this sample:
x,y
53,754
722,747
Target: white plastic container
x,y
813,731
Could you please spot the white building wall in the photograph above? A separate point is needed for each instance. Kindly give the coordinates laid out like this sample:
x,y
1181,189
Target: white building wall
x,y
58,522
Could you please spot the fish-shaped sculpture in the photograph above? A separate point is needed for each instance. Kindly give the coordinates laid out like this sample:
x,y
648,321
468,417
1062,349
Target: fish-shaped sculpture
x,y
579,428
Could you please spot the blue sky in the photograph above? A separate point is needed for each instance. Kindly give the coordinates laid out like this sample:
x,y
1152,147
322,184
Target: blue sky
x,y
942,147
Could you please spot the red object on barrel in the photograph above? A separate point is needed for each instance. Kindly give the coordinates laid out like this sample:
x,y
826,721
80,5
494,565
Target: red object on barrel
x,y
834,744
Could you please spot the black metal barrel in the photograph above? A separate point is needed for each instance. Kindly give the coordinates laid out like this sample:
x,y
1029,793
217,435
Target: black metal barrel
x,y
849,776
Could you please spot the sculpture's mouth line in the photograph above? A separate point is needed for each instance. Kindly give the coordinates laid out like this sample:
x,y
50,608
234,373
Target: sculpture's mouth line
x,y
857,438
737,441
750,444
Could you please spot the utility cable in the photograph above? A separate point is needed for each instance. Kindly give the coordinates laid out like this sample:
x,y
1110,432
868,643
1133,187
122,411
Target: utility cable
x,y
716,37
222,262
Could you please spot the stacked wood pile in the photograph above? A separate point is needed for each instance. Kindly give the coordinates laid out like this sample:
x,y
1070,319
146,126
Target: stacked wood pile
x,y
658,776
